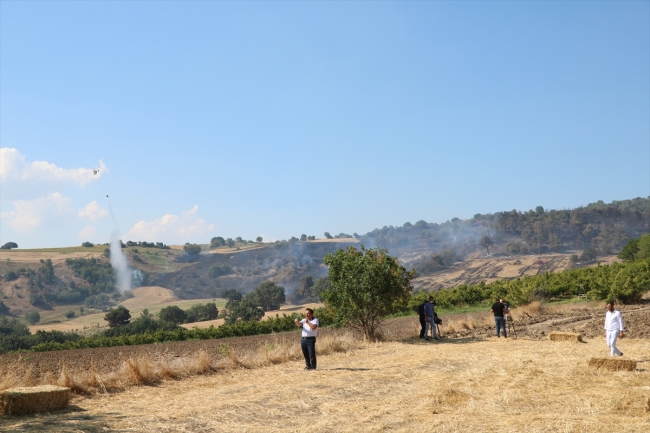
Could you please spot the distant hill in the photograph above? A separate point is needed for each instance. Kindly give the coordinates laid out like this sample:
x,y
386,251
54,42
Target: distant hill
x,y
443,253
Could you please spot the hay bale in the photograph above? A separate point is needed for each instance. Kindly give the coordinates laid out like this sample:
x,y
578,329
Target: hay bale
x,y
613,364
565,336
20,401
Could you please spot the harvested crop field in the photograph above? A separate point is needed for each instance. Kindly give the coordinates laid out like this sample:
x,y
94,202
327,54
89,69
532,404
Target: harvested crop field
x,y
493,385
257,383
531,322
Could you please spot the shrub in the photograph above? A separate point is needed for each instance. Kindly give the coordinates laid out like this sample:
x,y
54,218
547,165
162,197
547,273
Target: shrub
x,y
118,317
219,271
173,314
33,317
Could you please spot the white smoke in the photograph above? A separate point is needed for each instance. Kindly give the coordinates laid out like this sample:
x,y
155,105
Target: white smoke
x,y
118,260
137,277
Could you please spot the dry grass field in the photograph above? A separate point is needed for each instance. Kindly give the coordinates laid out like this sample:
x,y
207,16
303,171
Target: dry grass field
x,y
57,255
492,385
476,269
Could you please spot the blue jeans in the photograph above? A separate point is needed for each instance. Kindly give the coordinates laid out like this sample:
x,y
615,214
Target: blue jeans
x,y
500,322
430,325
308,345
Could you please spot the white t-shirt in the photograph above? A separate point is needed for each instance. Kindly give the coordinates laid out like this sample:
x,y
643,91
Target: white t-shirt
x,y
306,330
614,321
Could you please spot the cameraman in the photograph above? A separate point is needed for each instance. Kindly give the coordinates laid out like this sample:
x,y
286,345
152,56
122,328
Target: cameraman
x,y
499,319
429,318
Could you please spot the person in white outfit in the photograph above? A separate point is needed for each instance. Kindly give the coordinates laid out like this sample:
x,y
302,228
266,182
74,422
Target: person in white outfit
x,y
613,328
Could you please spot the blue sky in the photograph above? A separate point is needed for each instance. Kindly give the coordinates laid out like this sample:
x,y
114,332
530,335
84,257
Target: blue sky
x,y
276,119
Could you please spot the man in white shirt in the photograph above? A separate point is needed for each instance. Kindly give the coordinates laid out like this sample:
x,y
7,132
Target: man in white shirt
x,y
308,341
613,328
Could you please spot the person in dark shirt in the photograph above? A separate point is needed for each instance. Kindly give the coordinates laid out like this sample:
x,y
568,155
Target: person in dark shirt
x,y
422,318
429,319
499,319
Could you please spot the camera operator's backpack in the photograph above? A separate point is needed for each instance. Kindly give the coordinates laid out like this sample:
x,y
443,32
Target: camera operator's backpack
x,y
421,309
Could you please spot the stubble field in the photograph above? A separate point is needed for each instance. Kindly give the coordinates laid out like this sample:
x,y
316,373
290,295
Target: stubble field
x,y
462,383
492,385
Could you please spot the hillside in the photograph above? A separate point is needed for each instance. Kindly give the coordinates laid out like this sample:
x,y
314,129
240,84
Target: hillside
x,y
445,255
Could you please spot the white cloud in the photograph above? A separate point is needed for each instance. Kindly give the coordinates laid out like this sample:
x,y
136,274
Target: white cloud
x,y
172,228
29,214
93,211
87,233
14,167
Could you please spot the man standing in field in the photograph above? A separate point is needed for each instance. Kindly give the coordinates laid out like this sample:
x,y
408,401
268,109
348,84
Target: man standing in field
x,y
422,319
499,319
308,341
428,313
613,328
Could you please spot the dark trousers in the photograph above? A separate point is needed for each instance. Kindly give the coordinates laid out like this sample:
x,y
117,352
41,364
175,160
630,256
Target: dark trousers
x,y
308,345
500,322
422,326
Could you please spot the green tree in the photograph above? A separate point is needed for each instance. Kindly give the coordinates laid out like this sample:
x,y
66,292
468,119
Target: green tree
x,y
192,249
328,235
259,239
33,317
629,251
202,312
366,286
589,255
217,242
486,242
217,271
9,245
173,314
231,295
268,295
244,310
644,247
303,238
422,224
119,316
11,276
88,244
69,314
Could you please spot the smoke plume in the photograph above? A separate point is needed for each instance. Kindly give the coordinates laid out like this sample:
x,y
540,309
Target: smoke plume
x,y
119,263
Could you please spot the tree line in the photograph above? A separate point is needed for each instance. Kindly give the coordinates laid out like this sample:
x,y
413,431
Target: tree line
x,y
603,227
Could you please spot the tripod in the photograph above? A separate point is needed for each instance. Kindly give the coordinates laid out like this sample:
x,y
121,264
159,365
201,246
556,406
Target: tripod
x,y
511,324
